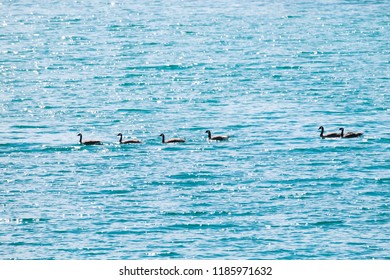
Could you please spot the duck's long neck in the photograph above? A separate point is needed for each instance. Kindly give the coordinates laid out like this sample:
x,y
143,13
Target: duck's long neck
x,y
163,138
209,133
81,139
120,138
322,132
342,132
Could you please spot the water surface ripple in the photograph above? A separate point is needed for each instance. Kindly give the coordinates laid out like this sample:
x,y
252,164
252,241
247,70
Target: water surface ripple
x,y
267,74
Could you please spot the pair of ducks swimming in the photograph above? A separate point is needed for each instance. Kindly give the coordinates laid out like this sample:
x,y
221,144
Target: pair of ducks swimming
x,y
339,135
135,141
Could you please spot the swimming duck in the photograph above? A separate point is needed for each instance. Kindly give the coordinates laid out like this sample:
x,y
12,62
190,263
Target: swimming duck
x,y
328,135
131,141
89,142
172,140
350,134
217,137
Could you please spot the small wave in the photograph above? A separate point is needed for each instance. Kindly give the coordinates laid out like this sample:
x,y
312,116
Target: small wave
x,y
29,126
375,193
57,148
199,226
132,110
166,67
130,84
196,213
328,223
22,243
288,67
109,192
22,220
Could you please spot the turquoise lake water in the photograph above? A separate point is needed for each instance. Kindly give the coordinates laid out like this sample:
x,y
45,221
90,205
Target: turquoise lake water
x,y
267,74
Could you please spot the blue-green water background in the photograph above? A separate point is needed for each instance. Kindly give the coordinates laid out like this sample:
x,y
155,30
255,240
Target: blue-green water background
x,y
268,73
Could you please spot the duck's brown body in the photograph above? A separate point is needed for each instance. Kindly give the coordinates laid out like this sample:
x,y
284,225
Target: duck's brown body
x,y
172,140
328,135
131,141
350,134
89,142
217,137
